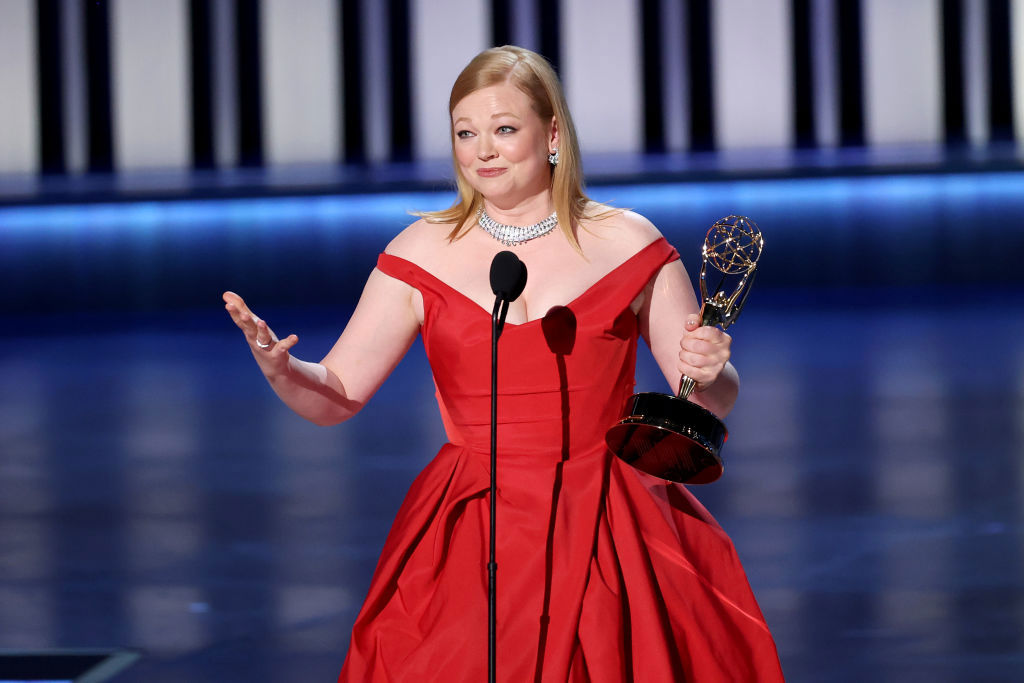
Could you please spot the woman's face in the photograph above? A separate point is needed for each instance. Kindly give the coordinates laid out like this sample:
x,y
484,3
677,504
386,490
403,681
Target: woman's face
x,y
501,145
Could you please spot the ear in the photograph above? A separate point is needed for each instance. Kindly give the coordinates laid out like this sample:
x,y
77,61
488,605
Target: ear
x,y
553,135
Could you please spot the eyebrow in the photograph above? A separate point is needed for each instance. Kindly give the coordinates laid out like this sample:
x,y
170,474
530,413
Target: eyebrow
x,y
493,116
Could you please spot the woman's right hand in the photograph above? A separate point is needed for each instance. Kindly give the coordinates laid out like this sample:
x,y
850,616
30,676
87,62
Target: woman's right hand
x,y
271,353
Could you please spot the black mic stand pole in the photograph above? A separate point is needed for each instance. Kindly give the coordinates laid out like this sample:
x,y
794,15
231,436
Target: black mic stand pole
x,y
508,279
497,320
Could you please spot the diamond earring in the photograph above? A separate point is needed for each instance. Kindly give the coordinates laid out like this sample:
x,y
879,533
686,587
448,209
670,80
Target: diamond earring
x,y
553,158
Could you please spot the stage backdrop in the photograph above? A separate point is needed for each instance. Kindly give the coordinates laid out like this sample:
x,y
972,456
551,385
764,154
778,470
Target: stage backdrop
x,y
134,84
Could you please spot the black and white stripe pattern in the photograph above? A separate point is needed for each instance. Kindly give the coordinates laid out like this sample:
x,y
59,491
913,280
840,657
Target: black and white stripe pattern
x,y
448,33
50,74
699,37
902,72
248,72
801,37
150,89
201,68
123,85
752,69
100,156
601,64
353,143
302,81
1000,101
953,63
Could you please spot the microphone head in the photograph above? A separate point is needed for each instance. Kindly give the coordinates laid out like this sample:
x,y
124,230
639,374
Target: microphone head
x,y
508,276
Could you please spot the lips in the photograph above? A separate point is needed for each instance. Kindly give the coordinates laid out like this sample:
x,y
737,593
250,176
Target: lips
x,y
490,172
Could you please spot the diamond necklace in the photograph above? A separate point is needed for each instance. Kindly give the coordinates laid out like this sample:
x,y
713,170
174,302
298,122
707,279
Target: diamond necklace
x,y
512,235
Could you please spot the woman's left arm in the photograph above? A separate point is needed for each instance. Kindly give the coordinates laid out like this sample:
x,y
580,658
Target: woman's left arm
x,y
669,317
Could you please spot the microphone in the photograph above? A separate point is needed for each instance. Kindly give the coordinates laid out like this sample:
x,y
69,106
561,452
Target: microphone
x,y
508,276
508,279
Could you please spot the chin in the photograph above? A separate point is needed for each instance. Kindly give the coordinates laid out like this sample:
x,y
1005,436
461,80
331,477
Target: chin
x,y
493,187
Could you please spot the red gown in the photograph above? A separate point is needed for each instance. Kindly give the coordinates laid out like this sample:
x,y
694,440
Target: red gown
x,y
604,574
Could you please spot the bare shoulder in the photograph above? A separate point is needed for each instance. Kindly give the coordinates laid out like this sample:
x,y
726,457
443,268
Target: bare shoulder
x,y
620,230
419,241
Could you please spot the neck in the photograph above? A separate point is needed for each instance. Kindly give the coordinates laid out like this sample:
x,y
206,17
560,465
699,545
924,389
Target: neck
x,y
528,212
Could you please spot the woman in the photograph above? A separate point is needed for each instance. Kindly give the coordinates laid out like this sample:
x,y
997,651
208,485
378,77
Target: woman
x,y
605,574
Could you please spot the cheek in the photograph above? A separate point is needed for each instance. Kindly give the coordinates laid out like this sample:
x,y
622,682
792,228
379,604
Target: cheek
x,y
518,149
463,154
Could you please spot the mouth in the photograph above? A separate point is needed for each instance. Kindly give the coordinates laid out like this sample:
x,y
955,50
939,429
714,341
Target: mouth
x,y
490,172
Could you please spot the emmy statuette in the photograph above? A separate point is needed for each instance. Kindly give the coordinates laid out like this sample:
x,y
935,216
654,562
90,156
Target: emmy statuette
x,y
670,436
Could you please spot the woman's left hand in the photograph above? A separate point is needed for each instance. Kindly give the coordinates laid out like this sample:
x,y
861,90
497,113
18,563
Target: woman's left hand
x,y
703,353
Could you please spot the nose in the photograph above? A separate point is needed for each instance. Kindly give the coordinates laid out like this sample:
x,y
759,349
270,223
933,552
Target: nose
x,y
486,151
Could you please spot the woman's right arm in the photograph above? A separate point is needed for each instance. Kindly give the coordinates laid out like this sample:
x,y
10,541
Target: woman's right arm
x,y
382,328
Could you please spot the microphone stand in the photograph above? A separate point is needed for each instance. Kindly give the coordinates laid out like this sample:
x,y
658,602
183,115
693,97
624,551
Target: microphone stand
x,y
497,323
508,278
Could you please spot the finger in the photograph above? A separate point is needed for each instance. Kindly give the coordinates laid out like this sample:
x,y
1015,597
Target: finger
x,y
704,357
236,313
705,348
700,371
701,377
711,334
264,337
236,301
709,347
697,346
243,320
287,343
695,360
235,304
692,323
264,329
233,300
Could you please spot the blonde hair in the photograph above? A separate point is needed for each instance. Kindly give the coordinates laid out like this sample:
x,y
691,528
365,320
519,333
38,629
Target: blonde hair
x,y
533,75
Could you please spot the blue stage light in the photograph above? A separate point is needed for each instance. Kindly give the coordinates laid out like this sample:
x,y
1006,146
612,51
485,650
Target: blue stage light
x,y
386,213
290,212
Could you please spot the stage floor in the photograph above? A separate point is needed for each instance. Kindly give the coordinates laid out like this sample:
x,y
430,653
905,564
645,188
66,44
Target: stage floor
x,y
156,495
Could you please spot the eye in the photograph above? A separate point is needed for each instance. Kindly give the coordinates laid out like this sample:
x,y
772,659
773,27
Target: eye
x,y
463,134
506,130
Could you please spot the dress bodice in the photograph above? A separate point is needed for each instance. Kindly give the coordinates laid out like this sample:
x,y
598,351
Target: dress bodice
x,y
562,378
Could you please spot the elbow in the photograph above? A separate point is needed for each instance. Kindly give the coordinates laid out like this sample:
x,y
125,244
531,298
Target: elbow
x,y
346,412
